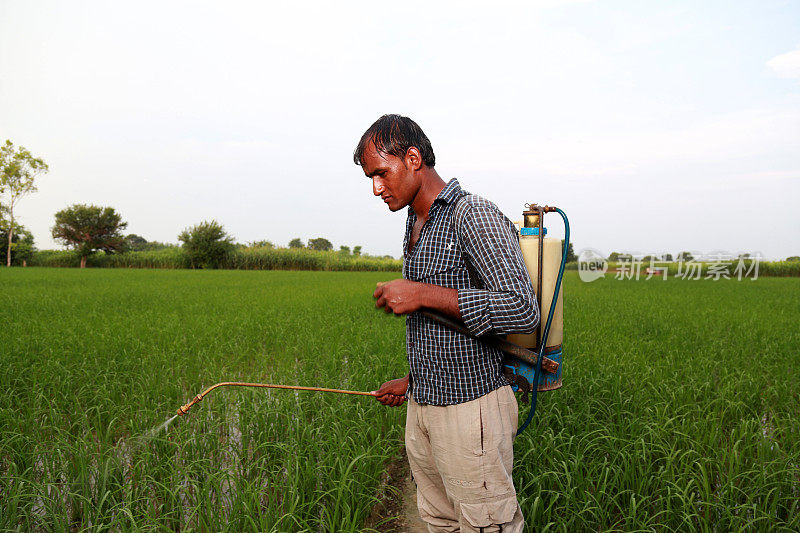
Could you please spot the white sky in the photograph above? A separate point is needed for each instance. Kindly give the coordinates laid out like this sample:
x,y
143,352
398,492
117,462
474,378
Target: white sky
x,y
657,126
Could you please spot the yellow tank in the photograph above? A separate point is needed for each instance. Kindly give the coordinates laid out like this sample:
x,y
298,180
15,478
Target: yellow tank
x,y
529,243
551,261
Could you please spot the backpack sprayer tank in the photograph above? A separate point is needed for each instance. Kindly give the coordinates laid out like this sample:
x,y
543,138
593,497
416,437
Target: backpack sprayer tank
x,y
543,258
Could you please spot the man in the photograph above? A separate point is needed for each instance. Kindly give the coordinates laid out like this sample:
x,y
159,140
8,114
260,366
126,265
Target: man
x,y
461,259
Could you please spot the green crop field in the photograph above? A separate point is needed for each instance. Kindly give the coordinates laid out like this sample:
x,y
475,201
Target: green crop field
x,y
680,408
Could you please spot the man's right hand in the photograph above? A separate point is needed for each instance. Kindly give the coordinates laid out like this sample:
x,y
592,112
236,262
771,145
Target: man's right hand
x,y
392,393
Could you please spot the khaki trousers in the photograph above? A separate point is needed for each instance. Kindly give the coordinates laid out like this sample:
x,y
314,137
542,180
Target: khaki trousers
x,y
461,458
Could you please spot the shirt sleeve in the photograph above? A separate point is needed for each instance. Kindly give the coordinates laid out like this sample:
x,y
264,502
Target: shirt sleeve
x,y
506,303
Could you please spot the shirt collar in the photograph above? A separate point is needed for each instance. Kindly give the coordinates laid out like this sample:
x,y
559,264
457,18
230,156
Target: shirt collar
x,y
450,193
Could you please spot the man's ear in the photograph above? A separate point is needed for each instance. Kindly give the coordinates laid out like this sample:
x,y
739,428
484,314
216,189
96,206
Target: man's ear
x,y
413,158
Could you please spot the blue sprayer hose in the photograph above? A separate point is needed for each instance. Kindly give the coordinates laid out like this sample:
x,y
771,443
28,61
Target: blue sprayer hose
x,y
538,370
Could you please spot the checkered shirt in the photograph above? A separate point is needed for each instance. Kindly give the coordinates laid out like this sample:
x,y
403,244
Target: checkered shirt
x,y
448,367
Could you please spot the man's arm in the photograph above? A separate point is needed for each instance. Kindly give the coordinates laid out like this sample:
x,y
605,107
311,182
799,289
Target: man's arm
x,y
402,296
506,304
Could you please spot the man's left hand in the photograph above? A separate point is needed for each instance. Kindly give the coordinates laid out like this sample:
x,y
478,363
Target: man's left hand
x,y
399,296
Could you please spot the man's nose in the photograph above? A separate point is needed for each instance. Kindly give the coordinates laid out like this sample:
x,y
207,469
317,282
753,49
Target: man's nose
x,y
377,186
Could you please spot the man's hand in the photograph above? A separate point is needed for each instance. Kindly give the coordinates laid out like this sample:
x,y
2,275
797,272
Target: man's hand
x,y
399,296
402,296
392,393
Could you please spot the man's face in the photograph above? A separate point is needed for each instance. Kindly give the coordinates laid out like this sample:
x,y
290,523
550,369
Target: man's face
x,y
392,179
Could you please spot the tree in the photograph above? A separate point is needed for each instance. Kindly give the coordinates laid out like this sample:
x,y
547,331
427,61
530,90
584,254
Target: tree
x,y
22,247
296,243
793,258
155,245
571,257
260,244
89,228
207,244
613,257
344,250
357,250
320,244
135,242
666,257
685,256
18,172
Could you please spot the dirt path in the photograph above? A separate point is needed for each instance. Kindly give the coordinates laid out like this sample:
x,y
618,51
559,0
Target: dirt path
x,y
396,510
411,520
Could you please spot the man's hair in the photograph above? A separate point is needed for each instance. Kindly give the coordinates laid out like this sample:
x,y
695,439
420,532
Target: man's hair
x,y
394,135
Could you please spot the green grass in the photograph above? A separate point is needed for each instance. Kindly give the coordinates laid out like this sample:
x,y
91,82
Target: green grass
x,y
93,360
679,409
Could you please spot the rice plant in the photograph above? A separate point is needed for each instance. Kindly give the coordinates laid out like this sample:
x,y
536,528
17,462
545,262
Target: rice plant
x,y
678,411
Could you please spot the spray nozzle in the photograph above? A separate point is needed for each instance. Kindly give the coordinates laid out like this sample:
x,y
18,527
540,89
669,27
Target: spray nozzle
x,y
183,409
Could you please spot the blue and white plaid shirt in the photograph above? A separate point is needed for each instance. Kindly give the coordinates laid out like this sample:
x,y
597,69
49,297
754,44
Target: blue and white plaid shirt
x,y
447,367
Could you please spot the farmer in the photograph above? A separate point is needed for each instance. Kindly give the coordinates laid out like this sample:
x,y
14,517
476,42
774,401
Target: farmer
x,y
461,259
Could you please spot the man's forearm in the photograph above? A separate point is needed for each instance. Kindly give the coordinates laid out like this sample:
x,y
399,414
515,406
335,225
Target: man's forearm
x,y
441,299
501,312
402,296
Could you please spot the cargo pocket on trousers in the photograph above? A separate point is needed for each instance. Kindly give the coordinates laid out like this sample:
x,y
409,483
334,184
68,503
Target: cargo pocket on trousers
x,y
488,513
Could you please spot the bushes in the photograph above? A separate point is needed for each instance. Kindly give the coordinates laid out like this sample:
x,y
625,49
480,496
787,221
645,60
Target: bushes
x,y
22,248
55,258
173,257
263,258
206,244
779,268
239,259
702,269
303,259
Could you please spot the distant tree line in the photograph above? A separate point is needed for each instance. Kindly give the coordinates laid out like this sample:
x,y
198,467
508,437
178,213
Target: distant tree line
x,y
617,257
88,229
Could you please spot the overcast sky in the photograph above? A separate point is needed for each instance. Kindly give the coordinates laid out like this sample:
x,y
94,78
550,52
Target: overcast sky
x,y
657,126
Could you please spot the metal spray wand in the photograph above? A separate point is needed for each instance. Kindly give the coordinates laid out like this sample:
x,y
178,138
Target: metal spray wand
x,y
182,410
